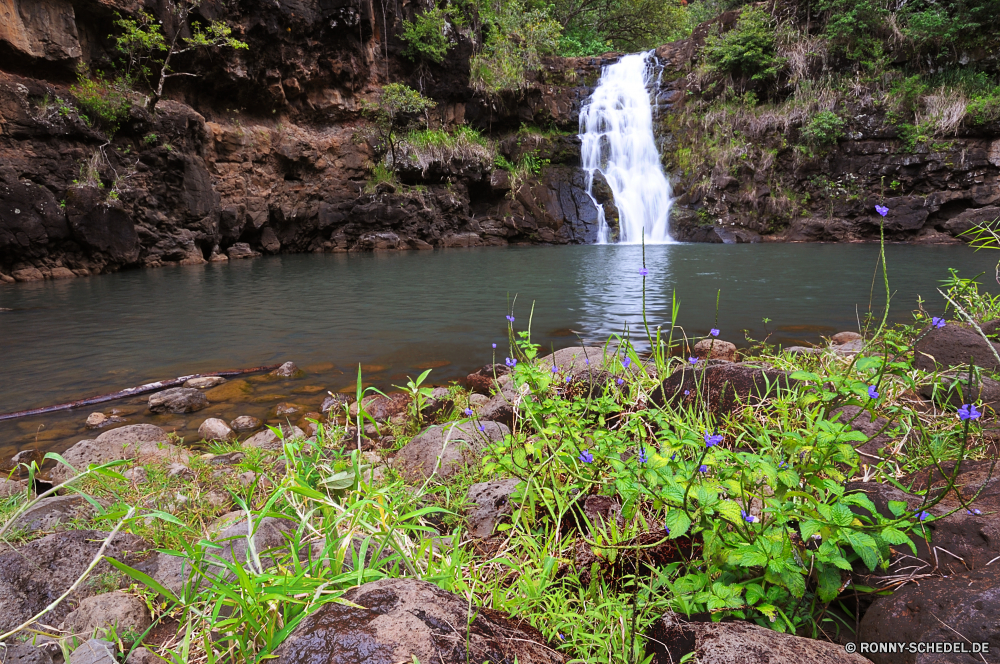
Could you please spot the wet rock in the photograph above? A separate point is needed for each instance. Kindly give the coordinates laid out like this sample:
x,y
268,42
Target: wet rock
x,y
964,608
382,408
241,250
490,503
844,337
38,572
722,387
94,651
178,400
952,346
287,370
268,440
715,349
233,390
96,420
245,423
739,642
204,382
143,442
215,429
484,381
407,618
115,609
445,450
25,653
48,513
285,409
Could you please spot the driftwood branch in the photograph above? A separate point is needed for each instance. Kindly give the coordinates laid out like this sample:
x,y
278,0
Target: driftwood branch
x,y
131,392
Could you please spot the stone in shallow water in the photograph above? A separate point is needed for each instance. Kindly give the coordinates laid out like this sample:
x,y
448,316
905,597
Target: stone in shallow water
x,y
245,423
233,390
215,429
287,370
178,400
204,382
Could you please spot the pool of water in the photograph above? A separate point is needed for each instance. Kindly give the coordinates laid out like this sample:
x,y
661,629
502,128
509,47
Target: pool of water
x,y
395,313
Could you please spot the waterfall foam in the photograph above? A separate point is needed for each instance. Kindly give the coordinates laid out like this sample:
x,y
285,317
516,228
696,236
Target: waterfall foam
x,y
616,128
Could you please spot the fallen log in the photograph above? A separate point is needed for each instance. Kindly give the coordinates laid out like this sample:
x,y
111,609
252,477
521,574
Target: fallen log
x,y
132,391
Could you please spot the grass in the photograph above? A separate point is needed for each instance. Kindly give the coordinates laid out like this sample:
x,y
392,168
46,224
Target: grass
x,y
592,589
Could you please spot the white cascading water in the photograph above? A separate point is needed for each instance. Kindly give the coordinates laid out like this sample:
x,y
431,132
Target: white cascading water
x,y
616,127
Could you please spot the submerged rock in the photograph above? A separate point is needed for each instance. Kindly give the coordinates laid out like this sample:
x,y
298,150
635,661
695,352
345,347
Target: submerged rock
x,y
287,370
402,619
204,382
178,400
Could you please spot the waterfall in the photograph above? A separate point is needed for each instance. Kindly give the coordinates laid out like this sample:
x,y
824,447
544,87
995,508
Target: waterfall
x,y
616,128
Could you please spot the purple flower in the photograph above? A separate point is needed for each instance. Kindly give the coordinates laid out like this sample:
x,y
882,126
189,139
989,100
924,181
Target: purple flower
x,y
702,468
673,456
882,210
693,360
511,362
968,412
494,345
586,360
666,530
922,515
586,457
783,464
643,272
626,361
714,331
482,427
974,511
619,381
937,322
510,319
711,440
872,392
468,412
749,518
643,458
561,638
687,392
567,378
555,368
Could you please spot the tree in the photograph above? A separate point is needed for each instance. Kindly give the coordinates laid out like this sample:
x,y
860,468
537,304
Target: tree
x,y
392,112
142,41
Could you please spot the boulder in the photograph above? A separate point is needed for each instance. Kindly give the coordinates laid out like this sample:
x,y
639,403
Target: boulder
x,y
241,250
115,609
444,450
287,370
382,408
962,609
505,404
143,442
738,642
721,387
178,400
245,423
215,429
484,381
334,402
952,346
268,440
141,655
38,572
25,653
204,382
403,619
845,337
715,349
954,389
48,513
10,487
489,503
94,651
575,360
96,420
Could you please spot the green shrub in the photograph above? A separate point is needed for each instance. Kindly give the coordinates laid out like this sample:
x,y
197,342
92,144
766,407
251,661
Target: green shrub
x,y
104,102
825,128
517,38
749,49
425,36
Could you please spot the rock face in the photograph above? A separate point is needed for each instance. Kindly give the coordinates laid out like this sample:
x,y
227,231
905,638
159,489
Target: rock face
x,y
964,608
406,618
721,387
952,346
177,400
40,571
445,450
739,643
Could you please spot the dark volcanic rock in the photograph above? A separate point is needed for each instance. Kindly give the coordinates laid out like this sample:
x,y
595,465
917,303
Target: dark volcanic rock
x,y
102,226
484,381
406,618
721,387
490,502
178,400
445,450
964,609
951,346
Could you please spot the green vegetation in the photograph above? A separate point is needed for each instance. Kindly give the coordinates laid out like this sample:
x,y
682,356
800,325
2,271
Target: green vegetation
x,y
749,49
104,103
392,112
825,128
426,37
516,39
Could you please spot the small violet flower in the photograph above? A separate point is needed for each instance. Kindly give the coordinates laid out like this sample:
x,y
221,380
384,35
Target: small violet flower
x,y
643,272
482,427
922,515
882,210
643,458
620,381
687,392
872,392
702,468
968,412
468,412
626,361
693,360
711,440
494,345
555,369
511,362
783,464
666,530
714,331
937,322
749,518
510,319
586,456
975,511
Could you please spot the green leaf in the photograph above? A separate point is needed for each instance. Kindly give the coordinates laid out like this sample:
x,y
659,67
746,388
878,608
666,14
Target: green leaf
x,y
829,583
860,500
677,522
795,582
893,536
730,511
841,515
341,480
753,593
809,528
748,556
805,375
789,478
865,547
144,579
897,507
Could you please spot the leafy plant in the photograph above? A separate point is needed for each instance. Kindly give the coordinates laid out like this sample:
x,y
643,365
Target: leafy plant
x,y
392,112
749,50
106,102
426,36
517,38
824,128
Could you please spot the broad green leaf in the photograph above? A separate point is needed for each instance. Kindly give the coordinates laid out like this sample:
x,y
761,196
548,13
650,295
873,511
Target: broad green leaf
x,y
677,522
729,510
804,375
841,515
829,583
897,507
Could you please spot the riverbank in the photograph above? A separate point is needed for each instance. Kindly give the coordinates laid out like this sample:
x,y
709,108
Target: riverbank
x,y
635,472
